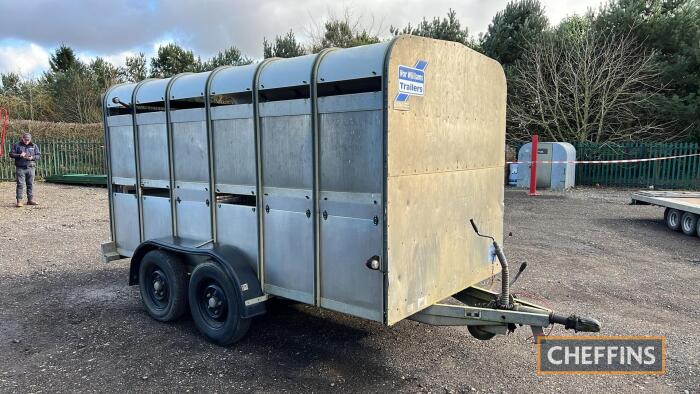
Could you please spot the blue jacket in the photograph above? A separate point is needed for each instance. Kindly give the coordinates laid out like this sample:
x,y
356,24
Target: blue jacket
x,y
30,149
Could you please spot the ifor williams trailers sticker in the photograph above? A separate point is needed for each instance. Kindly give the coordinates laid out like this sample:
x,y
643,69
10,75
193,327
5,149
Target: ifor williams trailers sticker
x,y
411,83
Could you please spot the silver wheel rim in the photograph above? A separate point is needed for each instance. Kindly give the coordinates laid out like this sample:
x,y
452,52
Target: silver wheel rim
x,y
673,219
688,224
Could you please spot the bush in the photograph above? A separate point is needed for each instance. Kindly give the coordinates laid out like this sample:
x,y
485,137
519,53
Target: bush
x,y
54,130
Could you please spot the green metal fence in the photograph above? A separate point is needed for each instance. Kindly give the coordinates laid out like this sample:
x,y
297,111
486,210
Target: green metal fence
x,y
680,173
60,157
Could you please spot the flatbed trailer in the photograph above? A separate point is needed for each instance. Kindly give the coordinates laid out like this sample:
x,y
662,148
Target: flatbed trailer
x,y
682,208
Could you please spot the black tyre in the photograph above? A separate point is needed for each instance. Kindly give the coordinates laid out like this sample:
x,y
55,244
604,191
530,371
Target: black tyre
x,y
478,333
689,223
215,304
163,285
673,218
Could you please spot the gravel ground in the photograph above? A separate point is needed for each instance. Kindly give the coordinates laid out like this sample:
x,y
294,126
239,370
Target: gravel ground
x,y
69,323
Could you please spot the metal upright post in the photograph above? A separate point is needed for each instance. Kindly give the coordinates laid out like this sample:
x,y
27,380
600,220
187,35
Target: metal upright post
x,y
533,166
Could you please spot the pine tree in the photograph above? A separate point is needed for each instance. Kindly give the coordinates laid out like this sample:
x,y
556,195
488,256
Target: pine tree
x,y
448,29
172,59
63,59
512,29
284,46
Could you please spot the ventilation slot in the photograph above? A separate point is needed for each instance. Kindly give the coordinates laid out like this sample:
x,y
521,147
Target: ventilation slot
x,y
232,99
157,106
155,192
288,93
188,103
123,189
235,199
353,86
116,111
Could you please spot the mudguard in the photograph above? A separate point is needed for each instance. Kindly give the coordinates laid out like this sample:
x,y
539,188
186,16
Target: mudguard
x,y
228,258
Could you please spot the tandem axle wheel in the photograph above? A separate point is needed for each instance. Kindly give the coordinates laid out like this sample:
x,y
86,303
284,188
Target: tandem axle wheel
x,y
213,299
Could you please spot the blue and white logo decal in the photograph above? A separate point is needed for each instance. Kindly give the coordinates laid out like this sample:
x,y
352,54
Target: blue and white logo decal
x,y
411,81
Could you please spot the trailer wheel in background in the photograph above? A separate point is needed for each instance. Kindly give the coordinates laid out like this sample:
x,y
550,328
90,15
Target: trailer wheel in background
x,y
214,303
163,285
480,334
673,218
689,223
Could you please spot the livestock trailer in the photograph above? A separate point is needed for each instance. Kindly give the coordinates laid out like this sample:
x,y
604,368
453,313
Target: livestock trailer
x,y
344,179
682,208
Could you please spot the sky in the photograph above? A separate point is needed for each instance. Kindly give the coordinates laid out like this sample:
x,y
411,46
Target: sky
x,y
31,29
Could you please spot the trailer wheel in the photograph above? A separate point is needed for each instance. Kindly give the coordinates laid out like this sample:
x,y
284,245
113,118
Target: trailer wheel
x,y
673,218
689,223
214,303
163,285
480,334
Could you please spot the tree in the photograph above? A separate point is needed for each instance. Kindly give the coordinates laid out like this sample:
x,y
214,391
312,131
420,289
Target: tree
x,y
172,59
136,68
25,98
449,29
70,90
512,29
104,73
670,28
576,83
342,32
284,46
63,59
229,57
11,83
12,95
75,94
74,87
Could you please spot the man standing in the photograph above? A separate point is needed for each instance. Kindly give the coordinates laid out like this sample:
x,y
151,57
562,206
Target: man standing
x,y
25,154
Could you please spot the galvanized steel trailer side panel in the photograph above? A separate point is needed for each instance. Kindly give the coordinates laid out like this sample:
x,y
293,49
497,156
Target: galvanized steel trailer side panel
x,y
189,136
119,144
154,157
287,157
350,180
234,165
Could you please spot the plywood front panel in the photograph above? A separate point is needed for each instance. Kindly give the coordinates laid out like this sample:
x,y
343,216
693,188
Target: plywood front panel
x,y
445,159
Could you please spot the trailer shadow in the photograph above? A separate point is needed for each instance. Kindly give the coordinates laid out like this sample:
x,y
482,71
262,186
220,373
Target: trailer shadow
x,y
642,227
304,336
312,347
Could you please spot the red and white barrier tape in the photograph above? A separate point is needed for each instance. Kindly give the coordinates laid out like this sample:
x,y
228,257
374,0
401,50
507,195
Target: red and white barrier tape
x,y
603,161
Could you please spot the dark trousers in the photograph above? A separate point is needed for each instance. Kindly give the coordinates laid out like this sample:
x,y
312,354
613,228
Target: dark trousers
x,y
25,175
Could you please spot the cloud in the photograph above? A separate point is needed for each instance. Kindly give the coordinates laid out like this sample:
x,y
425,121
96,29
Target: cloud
x,y
130,26
118,59
26,59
